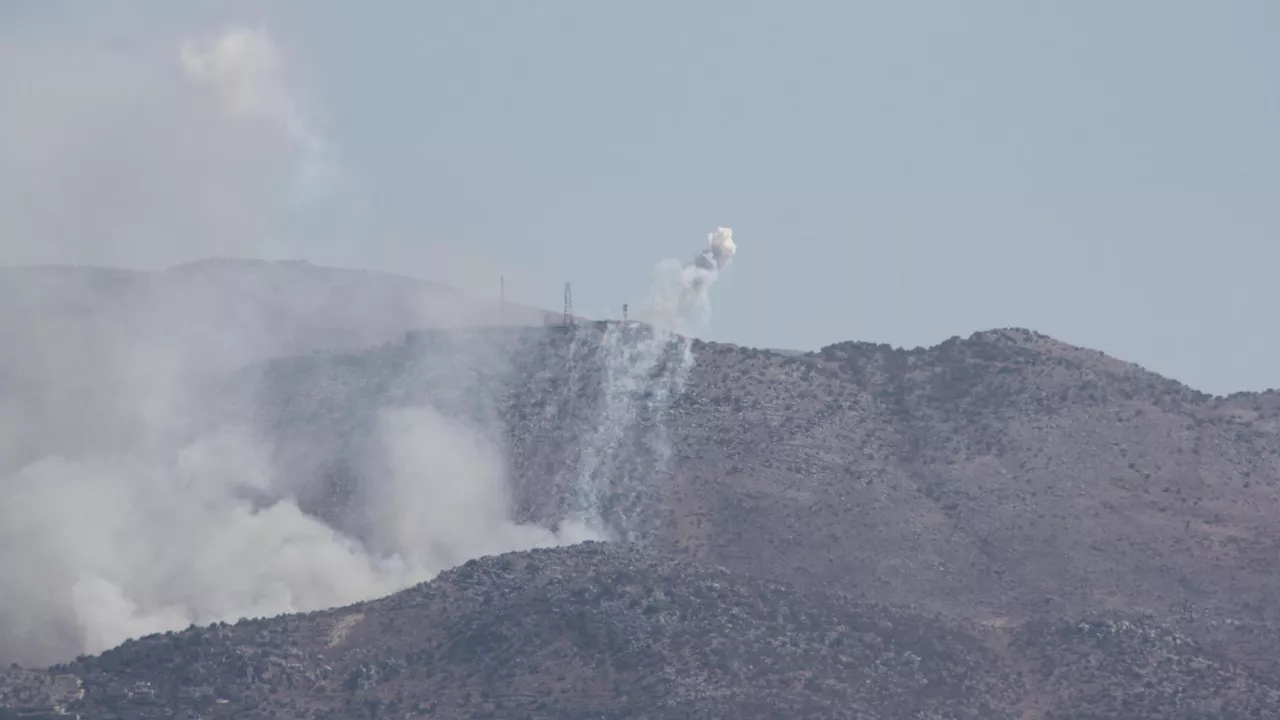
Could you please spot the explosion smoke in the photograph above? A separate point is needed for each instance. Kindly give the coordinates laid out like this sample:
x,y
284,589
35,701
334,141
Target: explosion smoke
x,y
129,505
679,298
722,247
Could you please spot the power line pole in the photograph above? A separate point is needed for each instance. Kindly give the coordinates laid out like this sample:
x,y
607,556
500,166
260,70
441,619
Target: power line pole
x,y
568,305
502,300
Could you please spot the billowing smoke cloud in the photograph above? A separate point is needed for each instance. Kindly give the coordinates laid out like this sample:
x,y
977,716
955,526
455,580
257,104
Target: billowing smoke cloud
x,y
127,505
679,298
98,551
722,247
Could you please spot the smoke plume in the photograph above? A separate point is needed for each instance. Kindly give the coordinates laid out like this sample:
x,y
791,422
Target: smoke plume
x,y
679,297
130,504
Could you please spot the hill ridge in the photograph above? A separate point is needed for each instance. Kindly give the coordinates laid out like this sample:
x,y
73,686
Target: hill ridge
x,y
612,630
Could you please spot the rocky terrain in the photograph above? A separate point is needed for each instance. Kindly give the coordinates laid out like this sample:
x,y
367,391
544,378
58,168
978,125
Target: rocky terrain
x,y
610,631
1001,526
1003,476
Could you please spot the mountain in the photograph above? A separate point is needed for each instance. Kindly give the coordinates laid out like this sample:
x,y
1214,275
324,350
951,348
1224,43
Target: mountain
x,y
609,631
1002,478
1002,475
1066,534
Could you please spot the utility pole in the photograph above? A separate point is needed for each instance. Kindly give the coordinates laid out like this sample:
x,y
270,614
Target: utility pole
x,y
624,312
502,300
568,305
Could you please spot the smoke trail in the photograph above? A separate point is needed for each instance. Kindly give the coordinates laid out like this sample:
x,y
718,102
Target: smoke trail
x,y
626,451
626,454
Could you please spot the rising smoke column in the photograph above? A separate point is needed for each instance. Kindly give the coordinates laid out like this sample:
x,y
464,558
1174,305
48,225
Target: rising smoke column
x,y
625,457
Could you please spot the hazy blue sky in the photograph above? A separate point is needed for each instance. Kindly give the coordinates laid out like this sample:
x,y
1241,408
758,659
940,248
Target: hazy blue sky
x,y
1104,172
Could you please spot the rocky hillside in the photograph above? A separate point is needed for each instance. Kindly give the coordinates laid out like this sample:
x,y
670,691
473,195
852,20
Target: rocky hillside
x,y
998,473
1002,475
609,631
1000,478
1063,533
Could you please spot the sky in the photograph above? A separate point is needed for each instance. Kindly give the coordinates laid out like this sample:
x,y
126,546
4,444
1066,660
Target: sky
x,y
1105,173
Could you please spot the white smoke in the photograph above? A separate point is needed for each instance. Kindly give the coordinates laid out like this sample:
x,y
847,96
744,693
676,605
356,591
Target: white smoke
x,y
618,481
243,67
449,499
644,370
722,247
123,509
98,552
680,295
